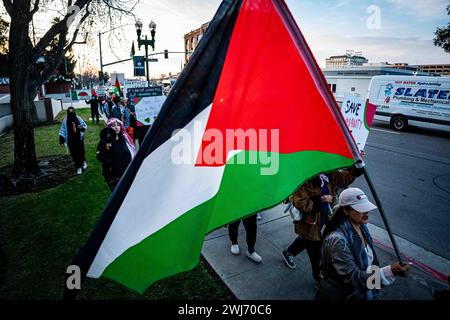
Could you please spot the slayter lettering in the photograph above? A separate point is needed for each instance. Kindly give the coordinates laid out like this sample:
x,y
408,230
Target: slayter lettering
x,y
423,93
353,107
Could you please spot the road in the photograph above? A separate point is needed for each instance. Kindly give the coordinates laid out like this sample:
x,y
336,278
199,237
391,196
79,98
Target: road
x,y
411,174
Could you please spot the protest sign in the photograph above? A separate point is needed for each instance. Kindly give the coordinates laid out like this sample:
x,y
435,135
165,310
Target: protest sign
x,y
359,116
147,103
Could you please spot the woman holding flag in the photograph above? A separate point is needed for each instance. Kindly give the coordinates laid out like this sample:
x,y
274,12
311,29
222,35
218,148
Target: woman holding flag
x,y
349,258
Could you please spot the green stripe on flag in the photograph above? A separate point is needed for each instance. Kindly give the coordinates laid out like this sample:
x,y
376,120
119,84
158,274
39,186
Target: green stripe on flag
x,y
243,191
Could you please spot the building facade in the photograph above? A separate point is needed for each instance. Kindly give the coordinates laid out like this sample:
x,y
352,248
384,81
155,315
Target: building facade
x,y
432,69
345,61
438,69
192,39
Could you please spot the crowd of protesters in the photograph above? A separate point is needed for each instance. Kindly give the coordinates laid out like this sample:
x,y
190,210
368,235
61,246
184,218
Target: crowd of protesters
x,y
330,219
116,147
330,223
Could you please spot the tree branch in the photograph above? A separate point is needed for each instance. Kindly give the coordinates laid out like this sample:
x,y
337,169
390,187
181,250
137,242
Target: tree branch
x,y
110,5
8,6
54,60
35,9
58,28
75,34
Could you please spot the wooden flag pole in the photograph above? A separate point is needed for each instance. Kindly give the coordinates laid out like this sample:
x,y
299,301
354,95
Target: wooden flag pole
x,y
383,216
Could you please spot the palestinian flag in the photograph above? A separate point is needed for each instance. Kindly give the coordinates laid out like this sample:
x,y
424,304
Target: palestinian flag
x,y
179,188
117,91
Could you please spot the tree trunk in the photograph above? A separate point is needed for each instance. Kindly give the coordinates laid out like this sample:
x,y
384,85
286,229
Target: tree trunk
x,y
25,162
22,105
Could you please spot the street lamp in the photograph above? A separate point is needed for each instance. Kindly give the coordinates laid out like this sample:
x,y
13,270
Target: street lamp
x,y
145,42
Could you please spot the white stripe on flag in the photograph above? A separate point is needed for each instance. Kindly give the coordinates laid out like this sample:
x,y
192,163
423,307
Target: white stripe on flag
x,y
160,193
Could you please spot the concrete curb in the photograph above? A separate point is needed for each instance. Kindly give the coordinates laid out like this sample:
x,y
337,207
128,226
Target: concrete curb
x,y
431,263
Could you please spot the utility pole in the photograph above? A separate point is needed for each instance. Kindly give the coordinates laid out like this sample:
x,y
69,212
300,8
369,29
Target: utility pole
x,y
146,61
79,68
101,61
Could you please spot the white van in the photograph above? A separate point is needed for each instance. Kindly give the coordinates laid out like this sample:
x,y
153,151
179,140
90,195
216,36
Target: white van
x,y
412,100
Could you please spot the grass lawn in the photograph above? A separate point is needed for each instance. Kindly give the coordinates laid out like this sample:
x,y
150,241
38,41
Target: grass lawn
x,y
41,232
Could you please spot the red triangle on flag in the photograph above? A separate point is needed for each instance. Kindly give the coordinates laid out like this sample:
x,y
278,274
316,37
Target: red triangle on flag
x,y
268,83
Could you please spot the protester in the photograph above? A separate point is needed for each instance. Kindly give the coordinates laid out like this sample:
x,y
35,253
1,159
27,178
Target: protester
x,y
141,132
133,122
71,133
94,102
313,199
115,151
250,229
348,252
116,109
110,105
127,118
104,107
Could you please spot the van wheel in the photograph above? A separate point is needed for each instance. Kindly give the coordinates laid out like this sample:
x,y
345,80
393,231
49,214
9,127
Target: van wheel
x,y
399,123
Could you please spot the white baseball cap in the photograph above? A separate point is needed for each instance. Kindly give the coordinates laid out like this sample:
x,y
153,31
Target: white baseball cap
x,y
355,198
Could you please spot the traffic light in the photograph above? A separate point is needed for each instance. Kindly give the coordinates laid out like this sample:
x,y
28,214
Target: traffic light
x,y
166,54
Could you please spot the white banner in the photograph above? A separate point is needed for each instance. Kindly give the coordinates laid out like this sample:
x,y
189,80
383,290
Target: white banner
x,y
358,116
148,108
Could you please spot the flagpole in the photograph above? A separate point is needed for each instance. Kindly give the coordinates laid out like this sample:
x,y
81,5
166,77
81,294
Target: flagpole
x,y
383,216
322,83
318,76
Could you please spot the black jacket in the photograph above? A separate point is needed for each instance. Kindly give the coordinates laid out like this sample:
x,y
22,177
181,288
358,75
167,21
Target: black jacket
x,y
114,161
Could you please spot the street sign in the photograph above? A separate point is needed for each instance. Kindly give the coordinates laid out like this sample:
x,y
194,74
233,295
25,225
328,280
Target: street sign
x,y
139,66
153,60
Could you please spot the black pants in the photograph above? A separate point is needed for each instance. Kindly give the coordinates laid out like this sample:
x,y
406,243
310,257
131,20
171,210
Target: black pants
x,y
112,182
313,248
94,113
141,132
250,229
77,152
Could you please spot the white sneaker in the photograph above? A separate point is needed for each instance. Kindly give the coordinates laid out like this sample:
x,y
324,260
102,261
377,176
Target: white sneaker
x,y
79,171
84,165
255,257
235,249
258,216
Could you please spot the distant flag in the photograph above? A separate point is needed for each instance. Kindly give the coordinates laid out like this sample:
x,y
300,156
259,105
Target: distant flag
x,y
117,91
154,223
132,50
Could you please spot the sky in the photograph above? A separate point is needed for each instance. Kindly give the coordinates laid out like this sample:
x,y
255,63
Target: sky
x,y
383,30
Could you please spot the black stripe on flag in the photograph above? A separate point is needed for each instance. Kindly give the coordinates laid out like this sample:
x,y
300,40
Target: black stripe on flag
x,y
192,93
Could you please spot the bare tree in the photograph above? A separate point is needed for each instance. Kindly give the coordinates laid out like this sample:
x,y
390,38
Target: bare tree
x,y
30,65
89,76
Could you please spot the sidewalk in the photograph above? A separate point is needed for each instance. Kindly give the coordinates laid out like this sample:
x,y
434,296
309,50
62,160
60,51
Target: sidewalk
x,y
272,280
78,104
